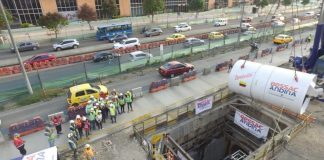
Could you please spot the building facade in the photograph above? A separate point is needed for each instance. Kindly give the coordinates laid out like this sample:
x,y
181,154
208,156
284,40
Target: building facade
x,y
29,11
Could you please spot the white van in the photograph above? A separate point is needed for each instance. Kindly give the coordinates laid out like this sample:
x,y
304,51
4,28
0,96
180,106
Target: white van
x,y
220,22
130,42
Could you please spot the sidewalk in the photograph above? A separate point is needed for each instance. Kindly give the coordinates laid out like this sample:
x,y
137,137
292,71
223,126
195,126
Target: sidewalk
x,y
152,104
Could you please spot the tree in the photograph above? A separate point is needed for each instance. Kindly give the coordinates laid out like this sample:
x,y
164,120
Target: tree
x,y
2,19
53,22
152,6
196,5
109,8
264,3
286,3
86,13
305,2
257,3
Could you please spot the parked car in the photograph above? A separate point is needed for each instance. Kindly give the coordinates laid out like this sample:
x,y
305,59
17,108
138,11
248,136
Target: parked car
x,y
126,43
250,30
295,21
26,46
81,93
138,55
282,39
175,68
245,26
276,17
153,32
220,22
103,56
65,44
193,42
175,36
247,19
182,27
215,35
181,24
43,57
277,24
118,38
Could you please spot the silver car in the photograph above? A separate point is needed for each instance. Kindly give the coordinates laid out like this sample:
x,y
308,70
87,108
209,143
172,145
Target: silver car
x,y
65,44
193,42
26,46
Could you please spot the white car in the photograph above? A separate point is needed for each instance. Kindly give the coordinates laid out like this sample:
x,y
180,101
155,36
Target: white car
x,y
295,21
220,22
65,44
182,28
277,24
246,26
126,43
180,24
250,30
138,55
276,17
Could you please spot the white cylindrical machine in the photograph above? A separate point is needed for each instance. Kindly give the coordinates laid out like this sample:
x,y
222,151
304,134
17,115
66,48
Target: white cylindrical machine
x,y
273,85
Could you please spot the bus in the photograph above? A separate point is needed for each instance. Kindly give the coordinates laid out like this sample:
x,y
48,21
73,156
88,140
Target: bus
x,y
107,31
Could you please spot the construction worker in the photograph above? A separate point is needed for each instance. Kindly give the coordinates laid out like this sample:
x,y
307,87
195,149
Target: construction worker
x,y
79,125
88,107
113,93
57,122
19,143
112,111
88,152
309,38
116,104
49,132
93,99
121,102
72,144
129,101
103,109
86,127
74,130
92,119
99,120
230,65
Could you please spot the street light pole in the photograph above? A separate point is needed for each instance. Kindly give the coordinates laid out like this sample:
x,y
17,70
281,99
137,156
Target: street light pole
x,y
240,29
30,89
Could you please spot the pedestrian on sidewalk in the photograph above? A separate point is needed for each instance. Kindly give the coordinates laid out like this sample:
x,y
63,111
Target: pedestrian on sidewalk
x,y
92,119
230,65
116,104
102,108
57,122
72,144
129,101
88,107
19,143
88,152
113,93
121,101
86,127
112,111
49,132
79,125
99,120
308,40
74,130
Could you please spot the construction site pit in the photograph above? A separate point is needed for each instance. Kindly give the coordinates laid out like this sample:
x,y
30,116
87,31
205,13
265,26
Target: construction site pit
x,y
213,134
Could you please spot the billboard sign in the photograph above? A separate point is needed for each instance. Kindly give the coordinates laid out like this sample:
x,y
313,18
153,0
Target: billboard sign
x,y
251,125
204,104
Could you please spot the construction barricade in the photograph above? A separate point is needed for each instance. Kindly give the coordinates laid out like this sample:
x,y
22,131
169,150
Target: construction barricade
x,y
282,47
266,52
27,127
159,85
221,66
73,111
188,76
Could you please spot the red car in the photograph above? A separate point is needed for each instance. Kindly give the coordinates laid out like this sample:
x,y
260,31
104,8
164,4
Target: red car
x,y
40,58
174,68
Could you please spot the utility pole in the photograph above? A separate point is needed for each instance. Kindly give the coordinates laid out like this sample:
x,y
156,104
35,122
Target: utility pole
x,y
30,89
242,2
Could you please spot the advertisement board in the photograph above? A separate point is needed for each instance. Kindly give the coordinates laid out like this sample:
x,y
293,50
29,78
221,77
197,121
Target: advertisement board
x,y
251,125
46,154
70,15
204,104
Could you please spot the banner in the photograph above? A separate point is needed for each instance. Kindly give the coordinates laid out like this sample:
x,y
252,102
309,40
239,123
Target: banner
x,y
251,125
46,154
204,104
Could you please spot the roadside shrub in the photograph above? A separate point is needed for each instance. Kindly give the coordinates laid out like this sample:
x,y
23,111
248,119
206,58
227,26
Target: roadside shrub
x,y
24,25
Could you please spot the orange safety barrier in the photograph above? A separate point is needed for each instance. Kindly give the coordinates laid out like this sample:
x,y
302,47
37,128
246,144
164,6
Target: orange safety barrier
x,y
221,66
188,76
64,61
42,65
159,85
27,127
204,36
144,47
16,69
71,60
28,67
88,57
36,65
1,72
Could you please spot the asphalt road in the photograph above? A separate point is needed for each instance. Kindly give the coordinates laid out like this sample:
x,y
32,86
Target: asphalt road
x,y
132,81
196,29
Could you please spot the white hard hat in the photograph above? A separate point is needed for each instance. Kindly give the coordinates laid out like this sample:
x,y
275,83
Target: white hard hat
x,y
101,98
78,116
91,96
84,118
91,109
87,146
111,105
95,107
99,111
116,96
97,104
121,94
69,135
89,101
71,121
107,98
114,90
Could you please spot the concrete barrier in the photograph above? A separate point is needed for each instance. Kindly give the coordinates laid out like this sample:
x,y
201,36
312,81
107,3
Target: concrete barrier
x,y
175,81
188,76
207,71
159,85
27,127
137,92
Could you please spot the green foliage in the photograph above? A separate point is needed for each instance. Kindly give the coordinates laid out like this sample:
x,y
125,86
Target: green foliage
x,y
286,2
86,13
152,6
109,8
305,2
53,22
2,19
264,3
24,25
257,3
196,5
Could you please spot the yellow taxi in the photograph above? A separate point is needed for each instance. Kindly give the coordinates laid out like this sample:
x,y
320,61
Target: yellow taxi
x,y
282,39
175,36
81,93
215,35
